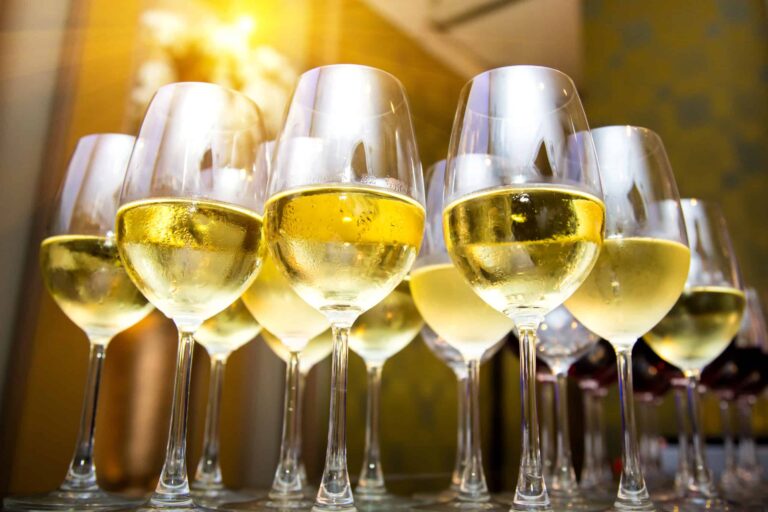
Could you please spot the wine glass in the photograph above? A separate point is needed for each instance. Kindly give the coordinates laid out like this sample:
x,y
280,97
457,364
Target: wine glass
x,y
84,275
189,229
287,317
640,273
220,335
651,379
451,308
594,372
293,323
345,216
377,335
752,343
562,341
524,218
454,360
700,326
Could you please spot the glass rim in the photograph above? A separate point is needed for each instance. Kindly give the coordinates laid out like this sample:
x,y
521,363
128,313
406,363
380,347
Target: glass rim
x,y
553,71
658,143
374,70
166,111
105,135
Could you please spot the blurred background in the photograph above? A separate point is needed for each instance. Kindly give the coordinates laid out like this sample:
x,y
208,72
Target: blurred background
x,y
695,71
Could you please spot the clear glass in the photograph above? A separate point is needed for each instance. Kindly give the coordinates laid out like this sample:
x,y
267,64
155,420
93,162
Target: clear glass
x,y
81,231
645,242
220,336
193,177
520,142
276,306
453,359
346,151
376,336
290,490
471,328
562,341
713,265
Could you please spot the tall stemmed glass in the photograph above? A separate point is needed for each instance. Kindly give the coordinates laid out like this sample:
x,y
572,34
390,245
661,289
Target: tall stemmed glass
x,y
452,309
640,273
346,215
189,229
700,326
524,218
377,335
562,341
84,275
753,344
316,351
275,304
220,336
454,360
595,372
293,323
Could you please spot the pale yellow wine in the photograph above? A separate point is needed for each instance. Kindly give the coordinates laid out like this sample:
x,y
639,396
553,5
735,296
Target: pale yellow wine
x,y
313,352
87,280
525,249
280,309
344,246
191,258
632,286
228,330
386,328
455,312
699,326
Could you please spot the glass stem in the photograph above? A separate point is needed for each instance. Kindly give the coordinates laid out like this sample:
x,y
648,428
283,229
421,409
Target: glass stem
x,y
547,428
633,494
749,466
531,492
299,436
683,475
564,475
601,450
728,479
590,473
701,483
473,486
208,474
81,475
287,483
371,481
173,487
462,380
655,440
335,491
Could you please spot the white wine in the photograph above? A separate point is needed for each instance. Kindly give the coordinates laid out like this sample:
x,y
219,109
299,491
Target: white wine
x,y
280,310
87,280
632,286
343,246
190,257
525,249
228,330
386,328
455,312
313,352
699,326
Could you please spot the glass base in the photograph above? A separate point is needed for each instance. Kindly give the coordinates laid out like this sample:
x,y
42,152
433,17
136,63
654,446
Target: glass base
x,y
456,505
266,503
705,505
578,503
431,497
71,500
217,497
382,502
